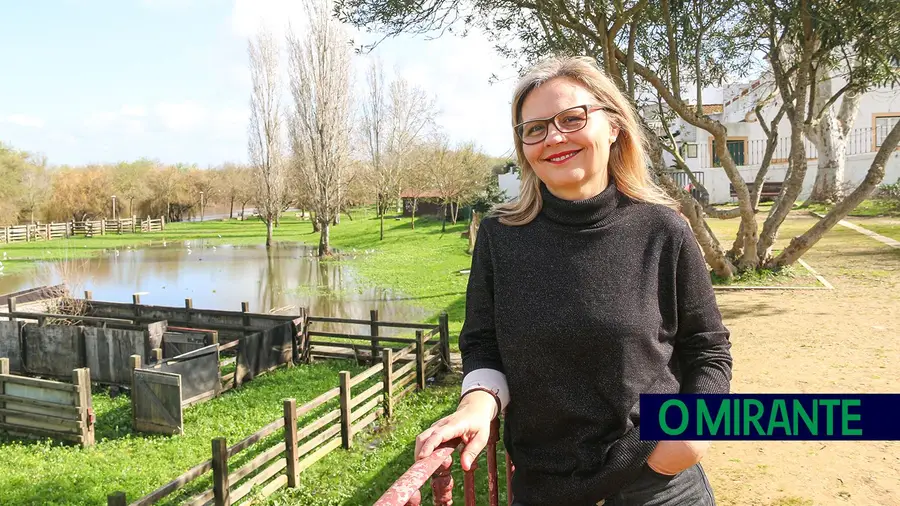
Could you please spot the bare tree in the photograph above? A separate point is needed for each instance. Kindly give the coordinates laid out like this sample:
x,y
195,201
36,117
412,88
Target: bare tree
x,y
392,126
319,67
265,130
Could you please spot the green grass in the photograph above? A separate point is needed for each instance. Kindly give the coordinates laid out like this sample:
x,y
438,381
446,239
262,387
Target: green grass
x,y
422,264
868,208
47,473
788,276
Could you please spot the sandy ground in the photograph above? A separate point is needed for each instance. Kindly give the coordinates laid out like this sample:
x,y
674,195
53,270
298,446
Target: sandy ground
x,y
846,340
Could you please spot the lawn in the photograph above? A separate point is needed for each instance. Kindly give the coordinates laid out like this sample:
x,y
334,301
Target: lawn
x,y
47,473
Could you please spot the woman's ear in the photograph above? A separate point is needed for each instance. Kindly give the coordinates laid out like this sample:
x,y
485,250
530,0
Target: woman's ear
x,y
613,133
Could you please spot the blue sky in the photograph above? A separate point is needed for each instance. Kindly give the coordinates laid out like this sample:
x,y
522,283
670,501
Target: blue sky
x,y
88,81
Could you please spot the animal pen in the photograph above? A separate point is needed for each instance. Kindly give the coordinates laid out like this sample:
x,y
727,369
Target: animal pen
x,y
172,357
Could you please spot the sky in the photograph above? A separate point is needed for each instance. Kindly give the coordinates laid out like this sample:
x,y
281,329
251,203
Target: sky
x,y
103,81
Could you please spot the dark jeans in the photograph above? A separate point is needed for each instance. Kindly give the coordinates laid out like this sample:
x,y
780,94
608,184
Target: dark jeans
x,y
687,488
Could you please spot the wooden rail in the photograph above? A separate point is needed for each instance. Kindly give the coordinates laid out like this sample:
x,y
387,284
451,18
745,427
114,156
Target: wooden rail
x,y
89,228
279,464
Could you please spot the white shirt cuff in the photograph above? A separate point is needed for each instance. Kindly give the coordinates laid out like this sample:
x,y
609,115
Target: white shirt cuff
x,y
491,379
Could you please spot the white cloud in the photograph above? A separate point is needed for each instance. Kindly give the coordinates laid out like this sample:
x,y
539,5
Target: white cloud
x,y
247,16
180,117
24,120
133,110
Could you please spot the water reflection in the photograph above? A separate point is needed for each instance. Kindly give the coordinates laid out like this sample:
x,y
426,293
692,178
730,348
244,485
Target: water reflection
x,y
222,276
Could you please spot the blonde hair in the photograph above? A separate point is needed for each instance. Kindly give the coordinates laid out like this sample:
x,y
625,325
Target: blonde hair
x,y
627,161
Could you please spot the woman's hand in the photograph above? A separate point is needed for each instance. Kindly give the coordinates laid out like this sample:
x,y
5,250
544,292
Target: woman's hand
x,y
471,422
672,457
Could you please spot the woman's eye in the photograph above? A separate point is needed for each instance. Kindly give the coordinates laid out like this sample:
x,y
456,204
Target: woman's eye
x,y
572,119
534,129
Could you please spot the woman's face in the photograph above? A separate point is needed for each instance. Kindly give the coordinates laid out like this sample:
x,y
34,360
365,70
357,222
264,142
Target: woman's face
x,y
572,165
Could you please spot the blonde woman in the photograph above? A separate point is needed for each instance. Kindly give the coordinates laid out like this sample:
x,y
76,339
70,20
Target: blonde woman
x,y
584,293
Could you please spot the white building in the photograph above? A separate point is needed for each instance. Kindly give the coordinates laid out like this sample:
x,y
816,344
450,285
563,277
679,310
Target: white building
x,y
879,110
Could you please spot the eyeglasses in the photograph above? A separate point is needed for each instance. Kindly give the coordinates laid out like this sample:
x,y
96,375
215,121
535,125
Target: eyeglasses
x,y
570,120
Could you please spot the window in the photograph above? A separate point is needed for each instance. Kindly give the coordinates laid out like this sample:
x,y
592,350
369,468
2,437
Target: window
x,y
690,150
883,126
735,148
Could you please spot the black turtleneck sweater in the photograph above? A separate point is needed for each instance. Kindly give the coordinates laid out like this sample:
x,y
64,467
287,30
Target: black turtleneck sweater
x,y
591,304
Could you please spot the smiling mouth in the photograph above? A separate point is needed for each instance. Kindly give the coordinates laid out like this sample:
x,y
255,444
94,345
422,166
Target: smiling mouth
x,y
562,157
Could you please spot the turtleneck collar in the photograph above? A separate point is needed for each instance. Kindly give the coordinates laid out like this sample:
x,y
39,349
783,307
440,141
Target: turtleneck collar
x,y
580,213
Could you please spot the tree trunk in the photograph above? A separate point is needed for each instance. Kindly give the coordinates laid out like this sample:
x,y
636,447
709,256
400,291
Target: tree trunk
x,y
242,211
269,233
712,250
131,207
350,216
315,221
874,176
277,220
413,219
381,226
456,212
231,210
444,218
829,135
324,239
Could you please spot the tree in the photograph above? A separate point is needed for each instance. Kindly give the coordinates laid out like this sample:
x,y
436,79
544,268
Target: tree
x,y
392,125
319,69
130,181
13,165
264,145
646,45
35,184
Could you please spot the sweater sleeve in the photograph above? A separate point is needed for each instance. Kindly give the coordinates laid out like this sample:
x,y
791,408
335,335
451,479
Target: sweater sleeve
x,y
478,339
702,341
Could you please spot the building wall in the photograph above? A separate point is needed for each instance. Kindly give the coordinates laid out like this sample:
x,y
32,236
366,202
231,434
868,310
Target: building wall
x,y
719,186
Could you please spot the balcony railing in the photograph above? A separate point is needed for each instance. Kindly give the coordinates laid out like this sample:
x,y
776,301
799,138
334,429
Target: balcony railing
x,y
406,491
859,141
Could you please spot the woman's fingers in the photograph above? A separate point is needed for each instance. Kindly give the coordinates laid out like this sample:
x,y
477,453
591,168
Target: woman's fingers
x,y
473,449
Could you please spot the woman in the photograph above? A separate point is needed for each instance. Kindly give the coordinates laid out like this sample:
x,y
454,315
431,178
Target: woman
x,y
584,293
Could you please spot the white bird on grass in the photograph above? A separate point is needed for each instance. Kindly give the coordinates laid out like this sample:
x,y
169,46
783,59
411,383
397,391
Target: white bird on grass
x,y
189,251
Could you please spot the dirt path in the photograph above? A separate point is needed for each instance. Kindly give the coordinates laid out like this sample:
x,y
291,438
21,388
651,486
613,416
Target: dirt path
x,y
845,340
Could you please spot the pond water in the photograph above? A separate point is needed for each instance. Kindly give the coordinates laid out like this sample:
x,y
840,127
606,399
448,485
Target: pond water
x,y
287,276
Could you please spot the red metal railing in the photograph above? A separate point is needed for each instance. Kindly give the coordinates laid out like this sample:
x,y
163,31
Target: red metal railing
x,y
406,490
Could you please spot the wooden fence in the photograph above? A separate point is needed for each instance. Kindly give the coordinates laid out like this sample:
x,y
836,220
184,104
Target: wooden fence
x,y
348,408
40,408
368,347
48,231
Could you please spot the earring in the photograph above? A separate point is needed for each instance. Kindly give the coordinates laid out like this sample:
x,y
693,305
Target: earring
x,y
614,139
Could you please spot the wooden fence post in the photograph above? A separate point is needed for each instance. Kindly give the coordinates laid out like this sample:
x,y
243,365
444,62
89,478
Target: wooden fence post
x,y
4,369
162,222
290,441
444,324
388,361
135,363
156,355
373,331
420,360
245,308
189,305
11,307
6,232
116,499
346,437
102,227
136,301
133,222
88,295
81,378
220,471
47,227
